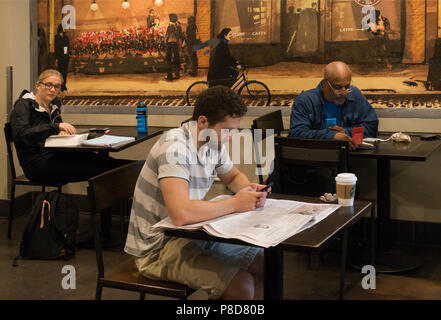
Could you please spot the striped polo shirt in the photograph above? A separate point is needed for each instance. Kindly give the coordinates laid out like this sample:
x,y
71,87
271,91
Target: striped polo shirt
x,y
173,155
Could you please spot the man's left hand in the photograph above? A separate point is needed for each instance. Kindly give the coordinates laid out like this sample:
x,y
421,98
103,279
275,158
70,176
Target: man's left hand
x,y
337,128
257,187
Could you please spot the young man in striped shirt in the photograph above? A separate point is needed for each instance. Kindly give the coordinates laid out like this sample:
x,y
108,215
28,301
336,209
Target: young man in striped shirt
x,y
178,173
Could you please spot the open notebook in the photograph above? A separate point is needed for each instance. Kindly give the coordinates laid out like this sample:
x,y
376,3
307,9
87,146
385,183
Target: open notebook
x,y
108,140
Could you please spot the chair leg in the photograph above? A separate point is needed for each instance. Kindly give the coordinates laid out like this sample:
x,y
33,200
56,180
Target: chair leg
x,y
373,235
142,296
121,218
99,291
11,210
344,251
43,188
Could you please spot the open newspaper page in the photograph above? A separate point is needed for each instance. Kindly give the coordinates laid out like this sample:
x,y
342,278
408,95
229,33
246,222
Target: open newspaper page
x,y
265,227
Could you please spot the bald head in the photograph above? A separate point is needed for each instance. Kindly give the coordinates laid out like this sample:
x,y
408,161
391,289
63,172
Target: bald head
x,y
337,71
336,83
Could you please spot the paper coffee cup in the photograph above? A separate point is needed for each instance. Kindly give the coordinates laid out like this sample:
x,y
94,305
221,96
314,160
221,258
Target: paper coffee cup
x,y
345,185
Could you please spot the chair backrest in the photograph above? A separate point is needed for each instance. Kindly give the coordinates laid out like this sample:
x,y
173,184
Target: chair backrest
x,y
110,188
309,153
107,190
9,141
271,120
312,152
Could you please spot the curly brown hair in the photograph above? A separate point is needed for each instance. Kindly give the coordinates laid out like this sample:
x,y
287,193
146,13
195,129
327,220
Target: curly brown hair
x,y
218,102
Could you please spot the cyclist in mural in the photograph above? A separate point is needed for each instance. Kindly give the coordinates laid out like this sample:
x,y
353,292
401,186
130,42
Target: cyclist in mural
x,y
62,54
223,66
380,39
173,37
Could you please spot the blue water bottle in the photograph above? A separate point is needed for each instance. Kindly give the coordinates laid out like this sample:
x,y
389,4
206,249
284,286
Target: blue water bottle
x,y
141,117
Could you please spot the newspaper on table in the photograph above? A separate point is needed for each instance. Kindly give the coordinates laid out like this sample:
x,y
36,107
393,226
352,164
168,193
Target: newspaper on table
x,y
264,227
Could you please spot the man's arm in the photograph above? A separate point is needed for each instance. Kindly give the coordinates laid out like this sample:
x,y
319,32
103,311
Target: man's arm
x,y
182,210
365,116
234,180
300,122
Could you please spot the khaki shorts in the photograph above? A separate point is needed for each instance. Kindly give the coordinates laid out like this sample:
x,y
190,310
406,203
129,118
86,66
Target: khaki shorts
x,y
201,265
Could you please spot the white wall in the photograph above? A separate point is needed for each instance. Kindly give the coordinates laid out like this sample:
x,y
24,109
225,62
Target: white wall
x,y
15,52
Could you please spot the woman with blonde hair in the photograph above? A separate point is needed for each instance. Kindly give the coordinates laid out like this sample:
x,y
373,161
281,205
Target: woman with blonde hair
x,y
36,115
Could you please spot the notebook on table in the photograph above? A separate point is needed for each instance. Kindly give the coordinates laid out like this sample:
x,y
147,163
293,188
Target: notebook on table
x,y
107,141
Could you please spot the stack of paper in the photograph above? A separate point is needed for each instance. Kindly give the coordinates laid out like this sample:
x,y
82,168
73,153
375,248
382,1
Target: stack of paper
x,y
65,141
108,141
265,227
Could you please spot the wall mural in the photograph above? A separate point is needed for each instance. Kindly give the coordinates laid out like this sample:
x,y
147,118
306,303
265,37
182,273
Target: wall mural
x,y
166,51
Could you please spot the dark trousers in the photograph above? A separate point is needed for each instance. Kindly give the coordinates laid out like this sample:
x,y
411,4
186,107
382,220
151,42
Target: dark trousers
x,y
192,60
63,66
64,167
173,59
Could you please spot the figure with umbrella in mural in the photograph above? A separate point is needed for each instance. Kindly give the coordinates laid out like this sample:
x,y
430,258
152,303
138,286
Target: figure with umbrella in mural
x,y
223,66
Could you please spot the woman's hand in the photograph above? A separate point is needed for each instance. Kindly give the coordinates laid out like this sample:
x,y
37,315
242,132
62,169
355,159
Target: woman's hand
x,y
67,127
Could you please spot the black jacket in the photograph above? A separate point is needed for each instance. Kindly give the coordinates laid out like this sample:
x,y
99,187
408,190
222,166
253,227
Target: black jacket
x,y
59,44
31,125
222,63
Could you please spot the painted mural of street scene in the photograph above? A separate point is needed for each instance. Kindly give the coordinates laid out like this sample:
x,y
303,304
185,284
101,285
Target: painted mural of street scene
x,y
268,50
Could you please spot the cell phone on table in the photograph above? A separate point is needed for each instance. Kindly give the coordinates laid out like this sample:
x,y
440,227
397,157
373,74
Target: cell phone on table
x,y
269,185
95,130
357,135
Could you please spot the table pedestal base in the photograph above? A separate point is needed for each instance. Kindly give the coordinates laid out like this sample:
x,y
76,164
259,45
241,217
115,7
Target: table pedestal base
x,y
392,261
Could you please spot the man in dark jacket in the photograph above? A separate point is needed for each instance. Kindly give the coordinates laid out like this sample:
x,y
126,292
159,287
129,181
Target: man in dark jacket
x,y
62,54
334,101
334,98
223,66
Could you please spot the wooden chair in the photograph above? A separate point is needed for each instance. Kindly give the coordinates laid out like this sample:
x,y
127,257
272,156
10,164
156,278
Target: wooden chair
x,y
20,180
271,120
105,191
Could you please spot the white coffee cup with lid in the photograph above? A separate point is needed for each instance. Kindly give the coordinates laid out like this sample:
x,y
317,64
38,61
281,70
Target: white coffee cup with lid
x,y
345,186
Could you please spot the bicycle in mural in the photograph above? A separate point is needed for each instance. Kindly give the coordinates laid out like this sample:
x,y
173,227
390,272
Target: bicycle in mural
x,y
253,92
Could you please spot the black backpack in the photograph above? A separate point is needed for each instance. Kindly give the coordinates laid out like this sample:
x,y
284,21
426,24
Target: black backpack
x,y
51,229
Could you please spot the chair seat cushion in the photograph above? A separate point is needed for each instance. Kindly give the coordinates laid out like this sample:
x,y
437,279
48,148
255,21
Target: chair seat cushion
x,y
126,276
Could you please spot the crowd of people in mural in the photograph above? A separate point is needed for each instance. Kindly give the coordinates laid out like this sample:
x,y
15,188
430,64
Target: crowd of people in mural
x,y
155,39
135,40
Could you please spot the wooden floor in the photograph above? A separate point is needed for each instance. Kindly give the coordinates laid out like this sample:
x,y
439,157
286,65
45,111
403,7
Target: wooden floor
x,y
43,279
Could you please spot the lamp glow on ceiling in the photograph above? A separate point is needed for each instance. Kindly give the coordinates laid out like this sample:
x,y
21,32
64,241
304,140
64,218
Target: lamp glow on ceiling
x,y
94,6
125,4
